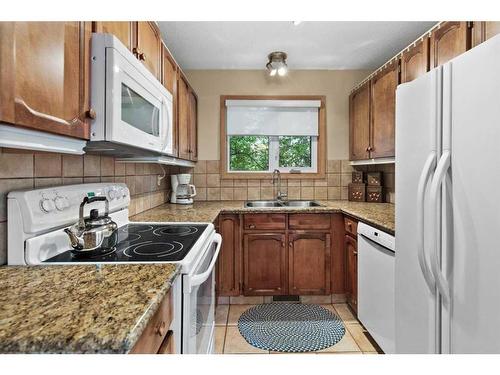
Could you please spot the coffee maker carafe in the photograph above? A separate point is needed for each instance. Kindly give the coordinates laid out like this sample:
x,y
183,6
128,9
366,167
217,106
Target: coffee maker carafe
x,y
182,191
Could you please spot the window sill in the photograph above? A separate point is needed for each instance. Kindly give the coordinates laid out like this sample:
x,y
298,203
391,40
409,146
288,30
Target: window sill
x,y
257,176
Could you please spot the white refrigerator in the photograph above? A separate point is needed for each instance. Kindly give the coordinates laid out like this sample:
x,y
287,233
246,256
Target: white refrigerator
x,y
448,207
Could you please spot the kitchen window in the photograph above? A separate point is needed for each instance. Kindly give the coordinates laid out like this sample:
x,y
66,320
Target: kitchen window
x,y
261,135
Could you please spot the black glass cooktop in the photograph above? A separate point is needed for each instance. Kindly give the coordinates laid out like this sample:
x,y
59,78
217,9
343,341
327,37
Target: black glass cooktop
x,y
143,243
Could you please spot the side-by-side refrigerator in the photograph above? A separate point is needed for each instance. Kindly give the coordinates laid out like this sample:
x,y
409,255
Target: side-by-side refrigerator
x,y
448,207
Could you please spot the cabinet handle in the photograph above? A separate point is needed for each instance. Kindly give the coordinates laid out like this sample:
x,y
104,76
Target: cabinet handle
x,y
282,243
142,56
251,226
91,113
290,244
355,253
135,52
160,330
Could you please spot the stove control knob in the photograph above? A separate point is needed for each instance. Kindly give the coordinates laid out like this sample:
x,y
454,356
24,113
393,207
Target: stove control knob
x,y
60,203
47,205
123,192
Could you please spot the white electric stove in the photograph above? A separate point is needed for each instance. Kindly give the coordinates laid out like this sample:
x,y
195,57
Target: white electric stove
x,y
37,218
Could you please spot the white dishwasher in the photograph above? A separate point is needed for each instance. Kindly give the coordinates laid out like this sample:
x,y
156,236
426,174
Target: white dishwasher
x,y
376,307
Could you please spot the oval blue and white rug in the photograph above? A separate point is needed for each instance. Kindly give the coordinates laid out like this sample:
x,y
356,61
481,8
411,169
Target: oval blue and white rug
x,y
290,327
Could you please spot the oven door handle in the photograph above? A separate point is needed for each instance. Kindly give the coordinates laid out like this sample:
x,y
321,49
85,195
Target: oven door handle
x,y
195,280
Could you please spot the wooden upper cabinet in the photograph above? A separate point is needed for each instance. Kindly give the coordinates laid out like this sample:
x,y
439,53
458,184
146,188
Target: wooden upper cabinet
x,y
359,123
183,118
169,80
264,264
193,126
383,111
148,46
229,261
448,41
309,263
415,61
121,29
45,74
484,30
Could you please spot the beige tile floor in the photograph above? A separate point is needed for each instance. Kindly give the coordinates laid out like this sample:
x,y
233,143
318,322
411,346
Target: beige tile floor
x,y
229,341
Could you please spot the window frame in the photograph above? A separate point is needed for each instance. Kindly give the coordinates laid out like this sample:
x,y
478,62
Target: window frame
x,y
318,144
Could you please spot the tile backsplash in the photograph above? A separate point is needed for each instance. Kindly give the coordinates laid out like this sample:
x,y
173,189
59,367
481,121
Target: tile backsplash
x,y
210,186
29,170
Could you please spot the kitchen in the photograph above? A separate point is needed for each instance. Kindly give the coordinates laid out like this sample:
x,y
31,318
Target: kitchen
x,y
255,193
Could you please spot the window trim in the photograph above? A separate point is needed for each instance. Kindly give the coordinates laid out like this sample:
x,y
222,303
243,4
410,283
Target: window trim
x,y
320,143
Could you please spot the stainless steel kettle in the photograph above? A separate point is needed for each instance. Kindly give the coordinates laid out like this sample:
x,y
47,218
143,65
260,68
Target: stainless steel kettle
x,y
95,234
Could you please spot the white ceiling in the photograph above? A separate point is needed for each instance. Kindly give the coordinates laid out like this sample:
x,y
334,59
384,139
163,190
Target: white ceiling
x,y
310,45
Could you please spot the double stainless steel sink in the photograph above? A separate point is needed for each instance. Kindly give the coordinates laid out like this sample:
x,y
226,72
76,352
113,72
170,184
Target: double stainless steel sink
x,y
276,203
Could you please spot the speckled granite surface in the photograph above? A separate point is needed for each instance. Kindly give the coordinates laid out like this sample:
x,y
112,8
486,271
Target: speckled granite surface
x,y
79,309
380,215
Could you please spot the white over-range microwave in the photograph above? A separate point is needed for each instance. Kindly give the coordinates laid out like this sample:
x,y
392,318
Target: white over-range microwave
x,y
133,110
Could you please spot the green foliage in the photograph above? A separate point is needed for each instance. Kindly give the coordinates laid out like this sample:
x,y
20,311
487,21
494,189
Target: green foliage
x,y
248,153
295,151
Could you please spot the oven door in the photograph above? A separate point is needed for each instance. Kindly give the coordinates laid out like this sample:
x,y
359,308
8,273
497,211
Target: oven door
x,y
138,107
198,314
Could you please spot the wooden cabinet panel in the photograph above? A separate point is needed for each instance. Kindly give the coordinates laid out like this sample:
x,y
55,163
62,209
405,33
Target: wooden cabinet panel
x,y
351,251
45,75
193,124
484,30
156,330
415,61
122,30
264,264
359,123
309,263
383,112
351,226
148,47
448,41
265,221
183,118
309,221
229,262
337,254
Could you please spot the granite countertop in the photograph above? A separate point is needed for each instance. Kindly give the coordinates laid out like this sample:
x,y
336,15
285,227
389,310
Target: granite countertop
x,y
379,215
79,309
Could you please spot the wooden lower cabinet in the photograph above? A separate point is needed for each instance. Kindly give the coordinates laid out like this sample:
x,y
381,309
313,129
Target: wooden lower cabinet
x,y
264,264
351,256
309,263
229,262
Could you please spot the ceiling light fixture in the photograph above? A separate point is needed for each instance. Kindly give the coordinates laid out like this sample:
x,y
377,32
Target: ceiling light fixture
x,y
277,64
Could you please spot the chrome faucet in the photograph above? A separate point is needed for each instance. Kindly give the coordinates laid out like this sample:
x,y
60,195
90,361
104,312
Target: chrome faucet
x,y
277,178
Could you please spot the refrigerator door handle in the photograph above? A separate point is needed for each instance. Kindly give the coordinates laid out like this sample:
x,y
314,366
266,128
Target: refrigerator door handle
x,y
439,176
425,178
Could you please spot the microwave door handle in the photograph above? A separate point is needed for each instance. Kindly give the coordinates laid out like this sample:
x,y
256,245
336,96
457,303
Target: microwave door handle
x,y
425,178
165,127
439,176
195,280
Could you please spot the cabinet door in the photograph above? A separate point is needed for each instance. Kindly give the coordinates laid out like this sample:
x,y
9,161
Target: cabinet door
x,y
170,82
193,124
383,111
229,262
44,74
484,30
148,47
359,123
309,263
448,41
122,30
183,118
264,264
351,251
415,61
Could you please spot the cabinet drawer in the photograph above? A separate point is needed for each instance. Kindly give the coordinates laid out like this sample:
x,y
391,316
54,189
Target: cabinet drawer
x,y
351,226
309,221
264,221
156,330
